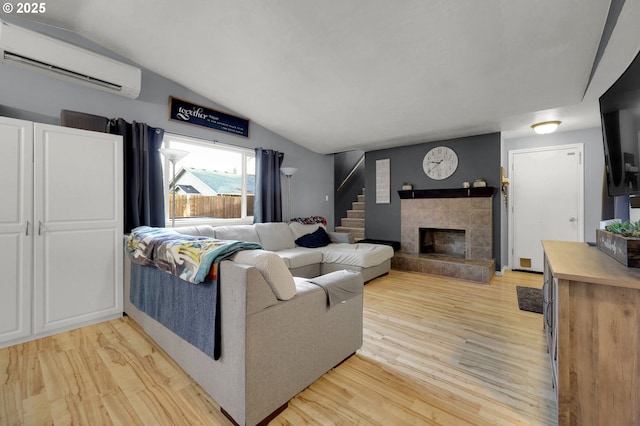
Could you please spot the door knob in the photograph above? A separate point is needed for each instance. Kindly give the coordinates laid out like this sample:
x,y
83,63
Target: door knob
x,y
572,219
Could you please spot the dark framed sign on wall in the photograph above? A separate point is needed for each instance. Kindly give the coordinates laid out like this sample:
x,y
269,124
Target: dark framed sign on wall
x,y
187,112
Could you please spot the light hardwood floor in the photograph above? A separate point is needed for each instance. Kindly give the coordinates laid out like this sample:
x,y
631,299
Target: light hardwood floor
x,y
436,351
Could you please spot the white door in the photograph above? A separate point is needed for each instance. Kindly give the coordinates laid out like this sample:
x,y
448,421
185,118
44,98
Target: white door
x,y
78,219
16,220
546,201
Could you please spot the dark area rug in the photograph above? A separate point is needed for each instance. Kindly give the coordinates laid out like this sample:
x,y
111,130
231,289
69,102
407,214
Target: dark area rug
x,y
529,299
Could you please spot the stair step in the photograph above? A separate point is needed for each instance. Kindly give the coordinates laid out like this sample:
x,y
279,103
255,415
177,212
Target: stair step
x,y
361,198
357,206
352,223
357,233
355,214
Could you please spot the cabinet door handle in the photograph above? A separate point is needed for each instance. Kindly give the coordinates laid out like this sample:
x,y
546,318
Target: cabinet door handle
x,y
39,227
27,230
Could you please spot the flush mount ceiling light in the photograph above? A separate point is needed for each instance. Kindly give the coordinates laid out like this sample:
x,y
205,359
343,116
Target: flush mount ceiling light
x,y
545,127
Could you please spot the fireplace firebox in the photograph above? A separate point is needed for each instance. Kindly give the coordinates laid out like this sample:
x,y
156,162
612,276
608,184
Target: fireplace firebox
x,y
443,242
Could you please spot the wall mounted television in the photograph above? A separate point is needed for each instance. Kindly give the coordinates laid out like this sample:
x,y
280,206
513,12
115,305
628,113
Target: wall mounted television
x,y
620,114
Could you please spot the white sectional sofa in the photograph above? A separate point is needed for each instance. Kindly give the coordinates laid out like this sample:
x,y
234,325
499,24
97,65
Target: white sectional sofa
x,y
278,333
371,260
272,349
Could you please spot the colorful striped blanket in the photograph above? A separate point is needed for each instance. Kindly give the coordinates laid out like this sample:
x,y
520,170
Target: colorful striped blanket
x,y
191,258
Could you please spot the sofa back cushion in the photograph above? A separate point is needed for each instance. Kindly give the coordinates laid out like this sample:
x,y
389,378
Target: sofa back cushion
x,y
275,236
237,232
273,269
198,230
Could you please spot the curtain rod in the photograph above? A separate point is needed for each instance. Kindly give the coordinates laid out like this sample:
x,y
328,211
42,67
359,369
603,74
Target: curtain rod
x,y
214,141
113,121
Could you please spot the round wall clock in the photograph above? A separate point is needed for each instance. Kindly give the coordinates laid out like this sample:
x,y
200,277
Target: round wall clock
x,y
440,163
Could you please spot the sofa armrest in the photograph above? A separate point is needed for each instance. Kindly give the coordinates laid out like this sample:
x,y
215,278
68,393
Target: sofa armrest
x,y
340,286
341,237
293,343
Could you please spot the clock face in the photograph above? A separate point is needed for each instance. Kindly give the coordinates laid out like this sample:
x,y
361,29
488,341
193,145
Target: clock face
x,y
440,163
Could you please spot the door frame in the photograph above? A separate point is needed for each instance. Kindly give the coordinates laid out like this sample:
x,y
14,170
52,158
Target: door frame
x,y
579,147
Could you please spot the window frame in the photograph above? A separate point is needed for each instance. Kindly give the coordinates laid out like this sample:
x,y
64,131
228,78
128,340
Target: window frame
x,y
213,144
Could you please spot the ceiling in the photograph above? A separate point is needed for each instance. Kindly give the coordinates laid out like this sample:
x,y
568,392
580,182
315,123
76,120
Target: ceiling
x,y
337,75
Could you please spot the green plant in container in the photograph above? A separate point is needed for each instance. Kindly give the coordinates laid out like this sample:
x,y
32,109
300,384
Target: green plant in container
x,y
480,182
626,229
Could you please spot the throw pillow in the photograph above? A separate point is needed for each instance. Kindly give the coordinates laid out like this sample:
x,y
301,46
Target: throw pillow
x,y
318,238
300,229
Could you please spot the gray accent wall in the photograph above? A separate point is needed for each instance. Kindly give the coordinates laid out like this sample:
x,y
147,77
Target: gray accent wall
x,y
37,97
478,156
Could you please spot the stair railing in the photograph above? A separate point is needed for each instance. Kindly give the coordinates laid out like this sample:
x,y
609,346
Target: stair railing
x,y
358,164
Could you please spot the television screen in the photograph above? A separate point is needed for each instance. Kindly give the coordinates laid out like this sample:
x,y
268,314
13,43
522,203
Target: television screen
x,y
620,112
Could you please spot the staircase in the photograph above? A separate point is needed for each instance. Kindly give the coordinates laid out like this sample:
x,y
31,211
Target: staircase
x,y
354,222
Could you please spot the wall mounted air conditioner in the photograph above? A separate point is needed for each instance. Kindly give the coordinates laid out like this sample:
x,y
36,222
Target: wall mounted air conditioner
x,y
32,50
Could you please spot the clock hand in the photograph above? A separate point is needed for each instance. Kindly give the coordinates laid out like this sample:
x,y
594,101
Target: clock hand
x,y
437,164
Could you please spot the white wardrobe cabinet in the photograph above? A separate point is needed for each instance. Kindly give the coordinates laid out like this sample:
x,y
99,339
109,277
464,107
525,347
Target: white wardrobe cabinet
x,y
61,226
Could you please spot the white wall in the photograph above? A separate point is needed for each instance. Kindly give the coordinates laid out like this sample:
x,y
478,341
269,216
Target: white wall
x,y
29,95
593,173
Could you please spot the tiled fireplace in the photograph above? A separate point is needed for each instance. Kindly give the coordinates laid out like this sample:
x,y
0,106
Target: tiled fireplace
x,y
447,232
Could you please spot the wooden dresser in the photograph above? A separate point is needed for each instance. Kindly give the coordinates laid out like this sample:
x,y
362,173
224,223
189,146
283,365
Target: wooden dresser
x,y
592,322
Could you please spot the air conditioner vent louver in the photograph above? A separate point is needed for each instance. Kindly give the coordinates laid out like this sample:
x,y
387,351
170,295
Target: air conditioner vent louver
x,y
67,73
28,49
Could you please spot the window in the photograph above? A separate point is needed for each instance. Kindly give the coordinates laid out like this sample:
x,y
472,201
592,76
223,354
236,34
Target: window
x,y
214,182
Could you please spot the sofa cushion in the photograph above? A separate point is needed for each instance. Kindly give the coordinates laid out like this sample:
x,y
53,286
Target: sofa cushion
x,y
341,237
237,232
298,257
275,236
299,229
318,238
273,270
360,254
198,230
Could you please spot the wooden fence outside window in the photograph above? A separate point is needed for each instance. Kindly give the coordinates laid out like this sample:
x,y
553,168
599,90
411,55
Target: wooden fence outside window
x,y
213,206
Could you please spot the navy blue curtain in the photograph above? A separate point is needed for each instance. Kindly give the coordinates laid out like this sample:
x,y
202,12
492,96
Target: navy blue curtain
x,y
267,205
143,186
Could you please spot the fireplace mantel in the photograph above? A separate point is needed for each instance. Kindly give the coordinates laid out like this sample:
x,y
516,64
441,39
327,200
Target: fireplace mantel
x,y
447,193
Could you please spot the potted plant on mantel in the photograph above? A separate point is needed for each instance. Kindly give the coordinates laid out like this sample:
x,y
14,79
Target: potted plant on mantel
x,y
621,240
407,186
480,183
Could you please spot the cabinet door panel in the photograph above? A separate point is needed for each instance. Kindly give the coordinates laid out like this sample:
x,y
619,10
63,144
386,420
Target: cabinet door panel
x,y
15,294
16,241
78,213
79,177
78,277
